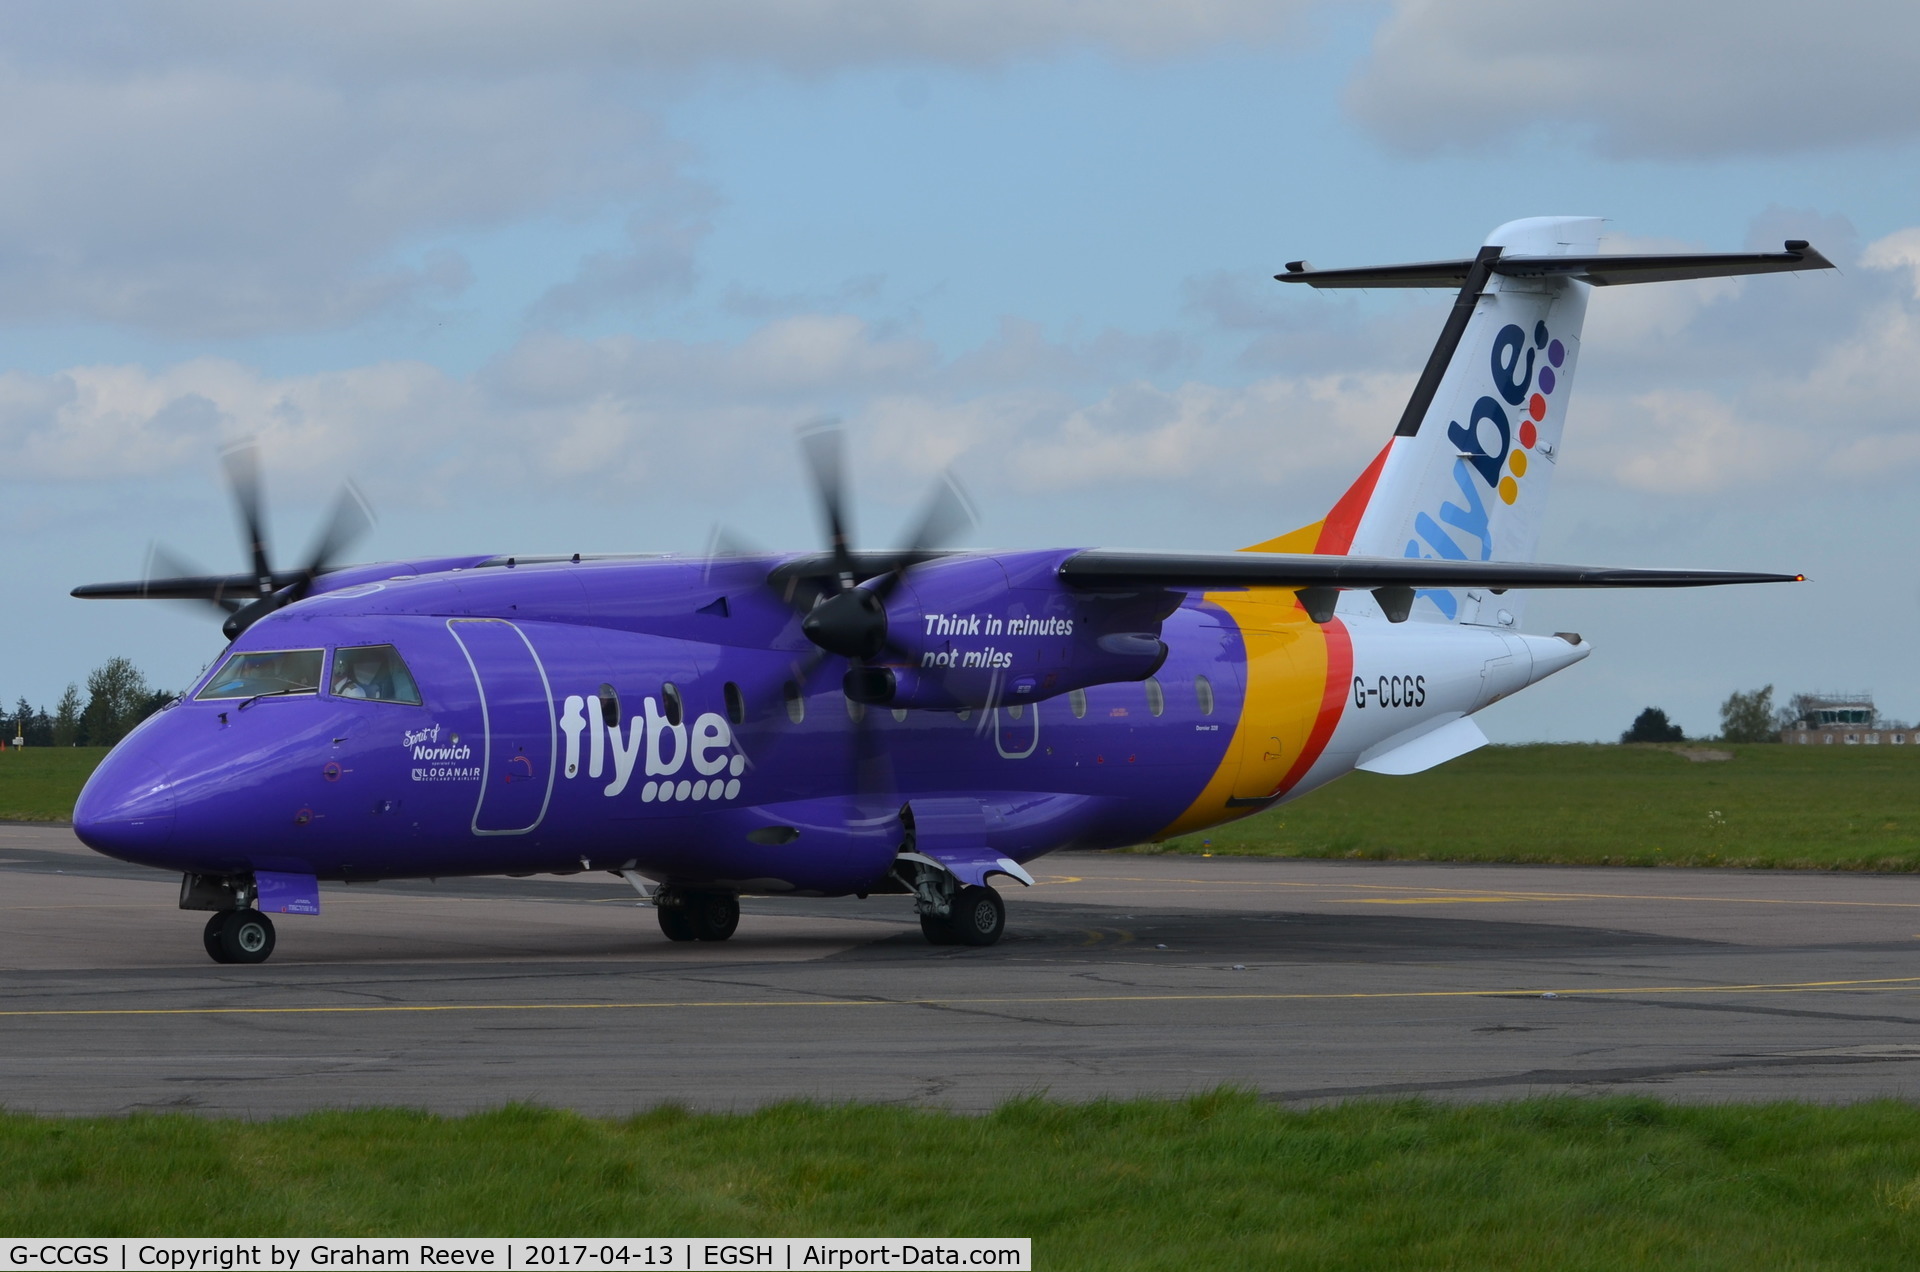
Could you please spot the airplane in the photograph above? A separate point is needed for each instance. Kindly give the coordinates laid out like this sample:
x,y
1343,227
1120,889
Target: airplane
x,y
923,722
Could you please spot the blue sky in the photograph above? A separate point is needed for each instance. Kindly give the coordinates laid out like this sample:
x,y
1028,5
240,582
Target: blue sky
x,y
568,283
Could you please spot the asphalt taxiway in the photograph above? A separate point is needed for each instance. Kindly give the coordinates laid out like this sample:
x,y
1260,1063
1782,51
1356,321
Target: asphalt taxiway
x,y
1120,975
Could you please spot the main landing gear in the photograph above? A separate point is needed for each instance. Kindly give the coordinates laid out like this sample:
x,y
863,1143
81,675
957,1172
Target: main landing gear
x,y
697,915
239,936
975,916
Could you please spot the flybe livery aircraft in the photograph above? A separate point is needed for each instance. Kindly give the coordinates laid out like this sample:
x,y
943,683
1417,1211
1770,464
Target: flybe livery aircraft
x,y
922,722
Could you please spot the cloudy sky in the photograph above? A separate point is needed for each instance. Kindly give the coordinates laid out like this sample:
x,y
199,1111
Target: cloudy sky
x,y
564,277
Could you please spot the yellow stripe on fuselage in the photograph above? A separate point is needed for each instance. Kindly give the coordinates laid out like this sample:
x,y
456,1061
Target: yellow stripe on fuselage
x,y
1286,693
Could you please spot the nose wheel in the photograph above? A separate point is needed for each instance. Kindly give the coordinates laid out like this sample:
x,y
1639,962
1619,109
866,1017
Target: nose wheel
x,y
239,936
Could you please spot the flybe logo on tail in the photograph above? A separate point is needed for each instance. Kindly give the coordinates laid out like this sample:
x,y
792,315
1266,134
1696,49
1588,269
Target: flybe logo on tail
x,y
1492,453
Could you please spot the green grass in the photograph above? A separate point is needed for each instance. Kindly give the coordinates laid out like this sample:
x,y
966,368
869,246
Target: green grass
x,y
1840,808
1221,1181
41,783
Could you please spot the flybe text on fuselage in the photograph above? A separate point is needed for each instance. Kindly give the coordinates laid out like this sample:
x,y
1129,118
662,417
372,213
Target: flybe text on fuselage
x,y
674,760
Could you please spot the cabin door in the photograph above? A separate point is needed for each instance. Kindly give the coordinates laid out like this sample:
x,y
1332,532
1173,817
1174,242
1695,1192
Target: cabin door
x,y
516,712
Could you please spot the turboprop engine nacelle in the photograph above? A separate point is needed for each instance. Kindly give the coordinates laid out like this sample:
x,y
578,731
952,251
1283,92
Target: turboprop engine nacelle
x,y
974,631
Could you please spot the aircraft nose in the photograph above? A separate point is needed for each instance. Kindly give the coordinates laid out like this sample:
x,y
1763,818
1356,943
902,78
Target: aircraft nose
x,y
126,808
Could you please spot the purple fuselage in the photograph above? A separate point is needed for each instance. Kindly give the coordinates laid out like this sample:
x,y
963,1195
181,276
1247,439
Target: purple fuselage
x,y
580,716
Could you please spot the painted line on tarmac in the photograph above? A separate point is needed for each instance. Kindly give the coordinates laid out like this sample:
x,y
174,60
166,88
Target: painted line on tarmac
x,y
1784,987
1214,885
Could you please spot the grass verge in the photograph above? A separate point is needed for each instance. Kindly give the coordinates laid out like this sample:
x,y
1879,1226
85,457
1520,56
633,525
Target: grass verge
x,y
1220,1181
42,783
1771,805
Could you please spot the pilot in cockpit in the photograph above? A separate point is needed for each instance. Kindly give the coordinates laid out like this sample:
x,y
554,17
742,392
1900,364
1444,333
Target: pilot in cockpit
x,y
362,673
373,672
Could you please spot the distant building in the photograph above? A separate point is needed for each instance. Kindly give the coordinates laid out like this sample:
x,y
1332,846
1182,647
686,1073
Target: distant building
x,y
1842,719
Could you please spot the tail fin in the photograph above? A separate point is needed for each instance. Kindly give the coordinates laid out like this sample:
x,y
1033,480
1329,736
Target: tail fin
x,y
1465,476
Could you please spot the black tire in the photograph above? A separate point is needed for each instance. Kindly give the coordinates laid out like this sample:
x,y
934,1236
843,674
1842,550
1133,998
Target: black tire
x,y
246,936
715,915
978,916
211,937
937,930
677,922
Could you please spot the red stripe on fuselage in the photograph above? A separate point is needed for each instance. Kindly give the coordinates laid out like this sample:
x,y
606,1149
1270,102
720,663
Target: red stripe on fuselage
x,y
1336,533
1333,700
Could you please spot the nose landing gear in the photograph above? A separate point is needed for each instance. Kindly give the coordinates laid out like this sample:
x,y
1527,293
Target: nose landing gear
x,y
239,936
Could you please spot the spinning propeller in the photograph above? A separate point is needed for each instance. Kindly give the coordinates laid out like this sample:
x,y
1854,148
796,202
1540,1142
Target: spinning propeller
x,y
841,595
849,617
247,598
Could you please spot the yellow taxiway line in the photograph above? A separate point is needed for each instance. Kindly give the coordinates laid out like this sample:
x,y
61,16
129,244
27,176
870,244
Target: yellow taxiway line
x,y
1035,1000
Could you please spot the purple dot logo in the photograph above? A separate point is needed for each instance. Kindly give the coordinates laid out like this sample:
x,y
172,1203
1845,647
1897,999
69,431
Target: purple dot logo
x,y
1556,353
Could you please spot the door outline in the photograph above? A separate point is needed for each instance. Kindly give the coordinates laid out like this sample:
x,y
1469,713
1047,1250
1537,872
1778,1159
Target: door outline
x,y
486,725
1032,746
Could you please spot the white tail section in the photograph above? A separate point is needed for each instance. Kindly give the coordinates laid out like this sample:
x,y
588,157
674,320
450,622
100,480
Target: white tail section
x,y
1467,477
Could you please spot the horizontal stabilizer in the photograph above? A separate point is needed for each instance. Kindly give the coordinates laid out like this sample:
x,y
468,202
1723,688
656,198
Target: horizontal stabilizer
x,y
1103,568
1423,747
1601,271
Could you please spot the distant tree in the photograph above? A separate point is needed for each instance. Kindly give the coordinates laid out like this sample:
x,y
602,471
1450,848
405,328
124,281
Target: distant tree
x,y
1799,707
39,730
117,697
1748,717
1652,725
64,727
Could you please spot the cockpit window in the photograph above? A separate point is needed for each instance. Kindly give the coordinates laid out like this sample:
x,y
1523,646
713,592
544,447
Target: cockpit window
x,y
373,672
284,671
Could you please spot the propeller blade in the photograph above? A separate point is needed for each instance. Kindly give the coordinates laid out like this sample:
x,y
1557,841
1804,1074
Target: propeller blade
x,y
351,519
242,462
948,515
874,790
824,445
733,561
166,567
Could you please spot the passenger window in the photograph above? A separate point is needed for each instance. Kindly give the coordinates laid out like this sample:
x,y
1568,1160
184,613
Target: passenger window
x,y
283,671
670,695
1156,696
375,673
1077,699
736,703
1203,693
610,706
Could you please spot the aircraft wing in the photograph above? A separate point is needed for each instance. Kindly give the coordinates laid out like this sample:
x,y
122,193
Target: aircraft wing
x,y
208,587
1601,271
1104,568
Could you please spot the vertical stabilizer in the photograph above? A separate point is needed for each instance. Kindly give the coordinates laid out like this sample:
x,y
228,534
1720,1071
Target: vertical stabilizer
x,y
1468,470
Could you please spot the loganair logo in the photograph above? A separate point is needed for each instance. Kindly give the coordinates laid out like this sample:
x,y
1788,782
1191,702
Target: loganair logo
x,y
676,762
436,758
1493,454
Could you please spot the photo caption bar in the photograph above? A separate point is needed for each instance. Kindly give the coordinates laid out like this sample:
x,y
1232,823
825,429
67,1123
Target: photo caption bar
x,y
500,1254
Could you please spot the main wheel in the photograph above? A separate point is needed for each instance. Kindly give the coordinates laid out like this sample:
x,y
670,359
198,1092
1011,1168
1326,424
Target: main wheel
x,y
246,936
937,930
677,923
211,936
978,916
715,915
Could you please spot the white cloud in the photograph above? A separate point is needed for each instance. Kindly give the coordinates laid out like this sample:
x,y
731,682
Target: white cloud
x,y
797,35
228,169
1645,77
1655,410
